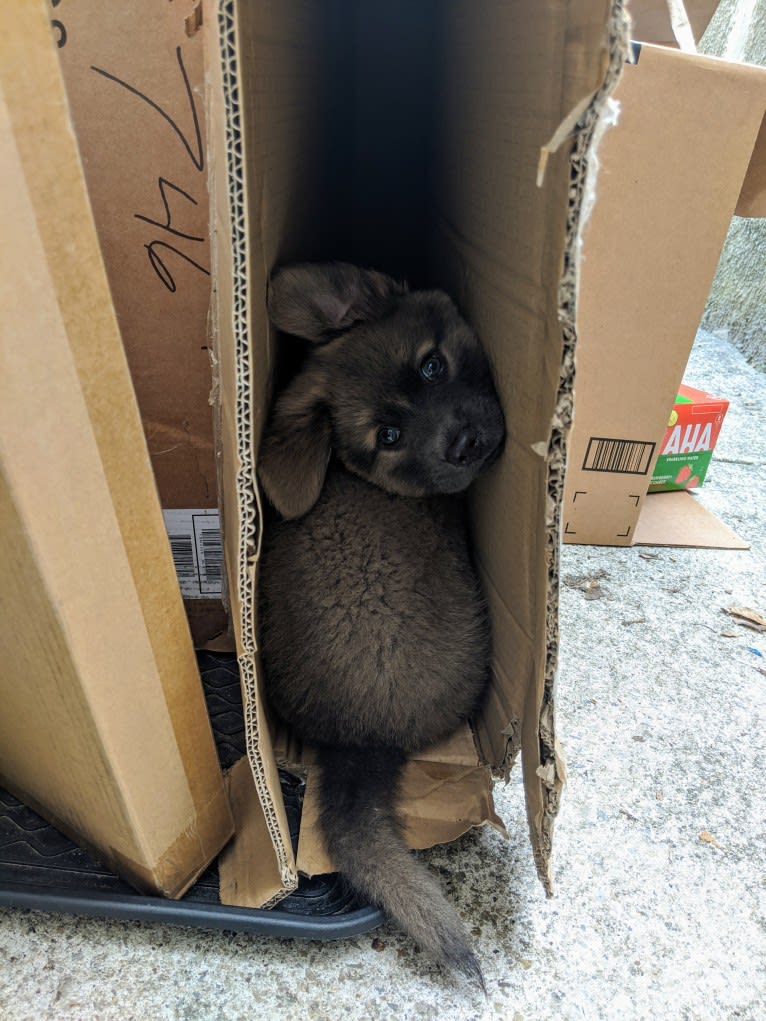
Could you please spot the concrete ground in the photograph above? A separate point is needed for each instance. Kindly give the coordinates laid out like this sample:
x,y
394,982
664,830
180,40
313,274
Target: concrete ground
x,y
660,851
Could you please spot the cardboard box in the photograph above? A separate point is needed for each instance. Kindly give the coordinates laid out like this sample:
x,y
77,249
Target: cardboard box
x,y
134,76
689,440
103,728
671,22
408,136
687,151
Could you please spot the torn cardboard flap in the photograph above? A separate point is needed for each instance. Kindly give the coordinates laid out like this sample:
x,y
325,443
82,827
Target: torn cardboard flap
x,y
446,791
458,750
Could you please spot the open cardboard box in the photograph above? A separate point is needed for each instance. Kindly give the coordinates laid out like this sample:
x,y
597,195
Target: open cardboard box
x,y
687,152
407,135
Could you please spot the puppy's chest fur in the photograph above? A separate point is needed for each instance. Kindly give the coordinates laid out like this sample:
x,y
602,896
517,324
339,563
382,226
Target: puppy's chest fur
x,y
374,630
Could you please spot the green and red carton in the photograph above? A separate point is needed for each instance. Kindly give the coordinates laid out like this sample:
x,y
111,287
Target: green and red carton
x,y
690,437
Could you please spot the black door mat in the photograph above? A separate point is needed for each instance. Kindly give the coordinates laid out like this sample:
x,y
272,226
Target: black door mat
x,y
43,870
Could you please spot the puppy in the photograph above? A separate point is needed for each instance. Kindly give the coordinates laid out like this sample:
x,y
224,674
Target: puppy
x,y
374,631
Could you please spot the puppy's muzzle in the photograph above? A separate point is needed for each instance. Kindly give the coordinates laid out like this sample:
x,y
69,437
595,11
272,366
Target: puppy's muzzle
x,y
464,448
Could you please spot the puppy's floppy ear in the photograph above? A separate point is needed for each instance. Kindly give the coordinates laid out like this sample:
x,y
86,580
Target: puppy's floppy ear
x,y
295,448
318,301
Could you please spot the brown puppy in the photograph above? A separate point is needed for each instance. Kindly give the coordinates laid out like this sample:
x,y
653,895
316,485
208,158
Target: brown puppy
x,y
375,635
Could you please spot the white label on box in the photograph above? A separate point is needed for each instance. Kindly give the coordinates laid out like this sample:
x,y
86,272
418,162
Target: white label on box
x,y
195,542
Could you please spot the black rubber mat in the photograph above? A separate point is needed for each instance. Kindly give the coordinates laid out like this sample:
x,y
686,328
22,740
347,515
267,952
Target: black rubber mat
x,y
42,869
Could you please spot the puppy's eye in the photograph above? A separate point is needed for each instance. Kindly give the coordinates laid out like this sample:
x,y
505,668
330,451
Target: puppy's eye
x,y
432,367
388,435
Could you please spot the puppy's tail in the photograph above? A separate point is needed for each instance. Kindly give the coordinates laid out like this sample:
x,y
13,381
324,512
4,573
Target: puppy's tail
x,y
358,790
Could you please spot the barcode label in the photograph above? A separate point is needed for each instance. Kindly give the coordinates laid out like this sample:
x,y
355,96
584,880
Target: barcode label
x,y
195,542
210,556
620,457
182,549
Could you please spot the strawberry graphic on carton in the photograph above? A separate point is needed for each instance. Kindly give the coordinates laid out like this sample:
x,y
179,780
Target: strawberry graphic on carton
x,y
690,437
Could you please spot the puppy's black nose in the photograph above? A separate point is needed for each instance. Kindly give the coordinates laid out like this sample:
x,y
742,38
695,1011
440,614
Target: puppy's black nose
x,y
464,448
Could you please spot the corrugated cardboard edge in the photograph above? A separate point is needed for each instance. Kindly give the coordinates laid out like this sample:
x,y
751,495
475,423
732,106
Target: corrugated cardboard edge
x,y
248,515
596,118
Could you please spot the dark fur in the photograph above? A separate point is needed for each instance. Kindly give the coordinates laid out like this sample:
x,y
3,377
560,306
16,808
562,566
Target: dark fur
x,y
374,631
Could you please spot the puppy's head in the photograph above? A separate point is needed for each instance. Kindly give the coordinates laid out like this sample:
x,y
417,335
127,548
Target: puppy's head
x,y
397,385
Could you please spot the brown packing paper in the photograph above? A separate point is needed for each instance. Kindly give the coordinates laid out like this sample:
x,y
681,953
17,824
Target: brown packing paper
x,y
445,793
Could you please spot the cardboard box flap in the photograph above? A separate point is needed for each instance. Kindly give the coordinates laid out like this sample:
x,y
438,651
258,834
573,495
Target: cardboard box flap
x,y
679,519
111,737
241,343
446,791
502,245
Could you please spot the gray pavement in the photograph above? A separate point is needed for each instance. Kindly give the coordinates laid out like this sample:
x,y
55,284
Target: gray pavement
x,y
660,851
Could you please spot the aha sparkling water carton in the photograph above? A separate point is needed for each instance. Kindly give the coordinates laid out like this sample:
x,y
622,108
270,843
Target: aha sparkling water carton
x,y
687,446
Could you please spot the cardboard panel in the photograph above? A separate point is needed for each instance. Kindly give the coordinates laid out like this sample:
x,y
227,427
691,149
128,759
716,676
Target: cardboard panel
x,y
134,80
671,175
266,79
90,726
